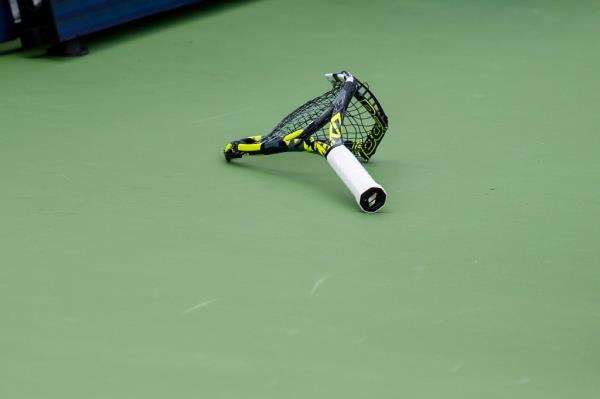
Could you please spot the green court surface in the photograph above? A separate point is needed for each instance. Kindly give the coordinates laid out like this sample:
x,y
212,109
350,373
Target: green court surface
x,y
136,263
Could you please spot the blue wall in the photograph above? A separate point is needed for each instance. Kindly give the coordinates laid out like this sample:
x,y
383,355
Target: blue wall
x,y
79,17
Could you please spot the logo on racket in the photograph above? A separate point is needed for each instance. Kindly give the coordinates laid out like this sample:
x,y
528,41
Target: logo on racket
x,y
334,128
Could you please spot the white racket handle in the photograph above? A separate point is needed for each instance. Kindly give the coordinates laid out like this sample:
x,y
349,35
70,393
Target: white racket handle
x,y
369,195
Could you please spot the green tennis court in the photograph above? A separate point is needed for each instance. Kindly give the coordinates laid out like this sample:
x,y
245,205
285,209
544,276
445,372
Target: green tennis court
x,y
136,263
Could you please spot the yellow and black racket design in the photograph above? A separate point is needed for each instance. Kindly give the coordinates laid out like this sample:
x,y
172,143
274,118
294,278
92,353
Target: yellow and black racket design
x,y
343,124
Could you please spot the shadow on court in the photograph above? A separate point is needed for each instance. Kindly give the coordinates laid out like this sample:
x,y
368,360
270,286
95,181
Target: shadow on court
x,y
314,178
159,22
318,178
117,35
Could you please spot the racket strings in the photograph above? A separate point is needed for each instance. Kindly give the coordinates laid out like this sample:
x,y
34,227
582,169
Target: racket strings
x,y
302,116
357,125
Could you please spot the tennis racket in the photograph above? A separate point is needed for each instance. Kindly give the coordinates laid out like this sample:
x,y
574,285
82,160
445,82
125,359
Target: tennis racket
x,y
343,124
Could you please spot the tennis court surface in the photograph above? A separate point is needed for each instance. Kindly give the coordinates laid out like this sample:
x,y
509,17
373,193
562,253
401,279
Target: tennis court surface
x,y
136,263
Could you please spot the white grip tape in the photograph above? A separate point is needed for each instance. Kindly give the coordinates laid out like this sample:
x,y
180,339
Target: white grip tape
x,y
369,195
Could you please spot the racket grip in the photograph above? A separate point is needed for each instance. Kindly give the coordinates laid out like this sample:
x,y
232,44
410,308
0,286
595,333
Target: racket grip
x,y
369,195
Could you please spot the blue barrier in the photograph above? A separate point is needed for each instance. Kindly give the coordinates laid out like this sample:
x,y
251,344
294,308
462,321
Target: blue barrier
x,y
7,25
74,18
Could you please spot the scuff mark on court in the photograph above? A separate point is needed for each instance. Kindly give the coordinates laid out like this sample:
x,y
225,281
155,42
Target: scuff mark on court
x,y
317,284
64,177
360,341
520,381
219,116
456,368
198,306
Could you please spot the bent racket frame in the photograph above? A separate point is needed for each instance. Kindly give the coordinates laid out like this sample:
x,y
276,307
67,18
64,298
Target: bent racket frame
x,y
318,127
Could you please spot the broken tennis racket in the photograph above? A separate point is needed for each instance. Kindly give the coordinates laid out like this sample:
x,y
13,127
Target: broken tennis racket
x,y
343,124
